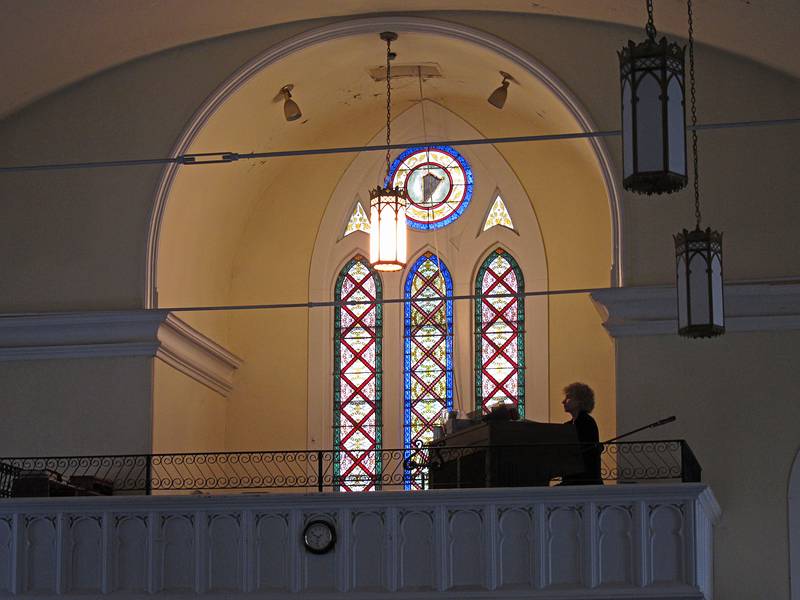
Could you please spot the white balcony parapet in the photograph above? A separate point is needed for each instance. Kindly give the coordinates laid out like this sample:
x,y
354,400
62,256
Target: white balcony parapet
x,y
615,541
102,334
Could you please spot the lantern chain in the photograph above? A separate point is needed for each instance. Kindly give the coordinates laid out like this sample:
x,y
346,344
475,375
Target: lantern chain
x,y
694,115
650,28
388,103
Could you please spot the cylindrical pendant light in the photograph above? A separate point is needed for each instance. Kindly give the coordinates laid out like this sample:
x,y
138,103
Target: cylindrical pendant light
x,y
653,118
698,256
387,237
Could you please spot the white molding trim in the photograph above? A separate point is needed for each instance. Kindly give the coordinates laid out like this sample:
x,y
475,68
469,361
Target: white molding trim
x,y
196,355
154,333
632,311
372,25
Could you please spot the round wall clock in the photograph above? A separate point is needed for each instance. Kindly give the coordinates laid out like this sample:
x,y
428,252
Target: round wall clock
x,y
438,183
319,536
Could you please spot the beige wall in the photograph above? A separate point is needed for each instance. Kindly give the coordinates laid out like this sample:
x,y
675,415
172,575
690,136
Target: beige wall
x,y
87,247
76,406
734,397
187,416
581,351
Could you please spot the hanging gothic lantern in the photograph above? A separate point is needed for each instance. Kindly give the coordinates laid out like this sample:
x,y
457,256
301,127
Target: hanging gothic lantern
x,y
387,236
698,253
698,256
653,119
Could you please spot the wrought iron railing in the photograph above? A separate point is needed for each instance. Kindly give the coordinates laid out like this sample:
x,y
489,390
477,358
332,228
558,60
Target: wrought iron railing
x,y
326,470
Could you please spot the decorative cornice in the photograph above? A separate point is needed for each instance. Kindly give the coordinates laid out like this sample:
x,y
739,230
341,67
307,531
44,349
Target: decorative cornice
x,y
78,330
196,355
632,311
121,333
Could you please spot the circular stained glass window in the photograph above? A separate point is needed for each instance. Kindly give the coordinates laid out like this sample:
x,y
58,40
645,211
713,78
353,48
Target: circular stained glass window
x,y
438,183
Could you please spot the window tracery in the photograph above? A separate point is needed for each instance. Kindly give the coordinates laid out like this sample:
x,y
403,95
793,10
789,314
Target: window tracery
x,y
429,393
498,215
358,221
438,183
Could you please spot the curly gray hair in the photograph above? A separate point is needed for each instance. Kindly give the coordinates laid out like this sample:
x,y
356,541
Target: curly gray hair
x,y
582,394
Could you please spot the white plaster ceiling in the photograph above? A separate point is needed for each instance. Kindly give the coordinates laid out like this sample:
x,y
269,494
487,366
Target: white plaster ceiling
x,y
49,44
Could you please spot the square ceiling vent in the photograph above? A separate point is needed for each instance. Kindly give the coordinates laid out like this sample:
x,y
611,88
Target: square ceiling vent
x,y
427,71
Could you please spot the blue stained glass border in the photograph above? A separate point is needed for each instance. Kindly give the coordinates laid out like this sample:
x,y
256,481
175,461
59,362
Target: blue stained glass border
x,y
468,185
448,286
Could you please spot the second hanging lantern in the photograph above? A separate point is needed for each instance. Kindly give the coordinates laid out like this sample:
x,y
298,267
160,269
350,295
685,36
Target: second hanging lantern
x,y
653,117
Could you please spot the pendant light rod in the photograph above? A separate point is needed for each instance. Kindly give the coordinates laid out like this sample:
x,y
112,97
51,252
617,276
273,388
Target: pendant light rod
x,y
693,101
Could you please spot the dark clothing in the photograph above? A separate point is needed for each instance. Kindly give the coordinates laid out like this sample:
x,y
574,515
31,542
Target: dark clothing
x,y
589,438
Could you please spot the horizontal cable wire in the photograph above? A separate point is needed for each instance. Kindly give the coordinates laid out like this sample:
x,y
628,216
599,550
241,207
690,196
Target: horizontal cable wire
x,y
335,303
208,158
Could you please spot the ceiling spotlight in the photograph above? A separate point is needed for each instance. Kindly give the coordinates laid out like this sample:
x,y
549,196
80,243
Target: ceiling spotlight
x,y
290,109
498,97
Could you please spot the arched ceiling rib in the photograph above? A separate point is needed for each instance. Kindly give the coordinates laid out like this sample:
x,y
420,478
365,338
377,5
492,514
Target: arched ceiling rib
x,y
53,43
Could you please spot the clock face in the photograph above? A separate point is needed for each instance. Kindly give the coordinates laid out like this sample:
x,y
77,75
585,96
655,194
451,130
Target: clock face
x,y
319,537
438,183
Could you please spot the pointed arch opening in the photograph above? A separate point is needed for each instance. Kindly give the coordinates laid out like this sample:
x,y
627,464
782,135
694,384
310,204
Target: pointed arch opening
x,y
357,385
427,356
499,333
211,252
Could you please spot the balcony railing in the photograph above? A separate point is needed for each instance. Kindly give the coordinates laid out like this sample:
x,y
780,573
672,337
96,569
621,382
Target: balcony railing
x,y
331,470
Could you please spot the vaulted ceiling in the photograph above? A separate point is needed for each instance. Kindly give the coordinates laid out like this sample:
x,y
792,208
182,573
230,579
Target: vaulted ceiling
x,y
51,43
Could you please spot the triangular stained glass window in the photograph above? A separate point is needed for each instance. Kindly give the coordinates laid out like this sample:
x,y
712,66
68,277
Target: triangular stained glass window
x,y
359,221
498,215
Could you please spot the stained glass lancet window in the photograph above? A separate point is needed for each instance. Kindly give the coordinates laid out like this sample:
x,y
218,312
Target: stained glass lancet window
x,y
428,357
359,221
357,378
499,333
498,215
438,183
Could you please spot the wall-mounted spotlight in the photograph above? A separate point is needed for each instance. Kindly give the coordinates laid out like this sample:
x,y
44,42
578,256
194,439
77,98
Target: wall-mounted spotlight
x,y
498,97
290,109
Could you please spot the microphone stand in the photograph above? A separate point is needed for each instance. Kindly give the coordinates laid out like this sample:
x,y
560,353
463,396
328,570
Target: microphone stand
x,y
651,425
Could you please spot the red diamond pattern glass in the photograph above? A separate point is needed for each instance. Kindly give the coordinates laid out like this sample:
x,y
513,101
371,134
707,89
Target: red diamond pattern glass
x,y
499,330
357,378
